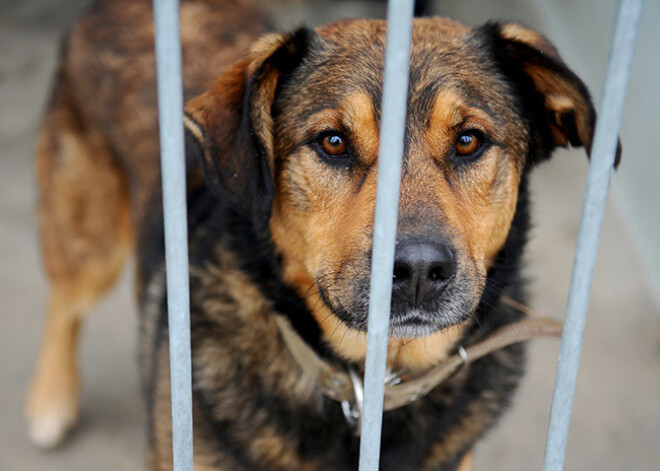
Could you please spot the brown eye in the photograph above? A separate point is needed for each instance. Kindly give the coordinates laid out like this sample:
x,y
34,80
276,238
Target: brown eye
x,y
333,149
334,144
468,143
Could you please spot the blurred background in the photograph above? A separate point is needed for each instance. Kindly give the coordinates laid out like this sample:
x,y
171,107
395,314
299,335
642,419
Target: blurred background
x,y
616,415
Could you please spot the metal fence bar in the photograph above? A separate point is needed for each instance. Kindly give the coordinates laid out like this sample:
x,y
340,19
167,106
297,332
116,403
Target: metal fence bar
x,y
602,158
170,113
397,58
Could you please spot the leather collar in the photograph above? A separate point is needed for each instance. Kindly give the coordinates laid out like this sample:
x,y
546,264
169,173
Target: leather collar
x,y
345,385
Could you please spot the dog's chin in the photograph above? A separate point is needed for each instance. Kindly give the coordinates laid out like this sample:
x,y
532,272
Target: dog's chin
x,y
415,323
411,323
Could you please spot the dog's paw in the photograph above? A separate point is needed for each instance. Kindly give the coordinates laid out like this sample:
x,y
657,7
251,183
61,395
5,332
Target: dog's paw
x,y
49,430
51,415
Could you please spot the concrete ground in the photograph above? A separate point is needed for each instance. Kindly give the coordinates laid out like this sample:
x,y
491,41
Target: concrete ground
x,y
616,419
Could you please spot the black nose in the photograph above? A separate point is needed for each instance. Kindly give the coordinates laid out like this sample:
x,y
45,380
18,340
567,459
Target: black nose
x,y
422,270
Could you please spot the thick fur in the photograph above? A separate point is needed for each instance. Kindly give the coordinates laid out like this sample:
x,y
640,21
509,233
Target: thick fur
x,y
279,227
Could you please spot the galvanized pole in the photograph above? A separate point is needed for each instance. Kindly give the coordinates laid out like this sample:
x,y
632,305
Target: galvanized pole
x,y
602,159
395,92
170,112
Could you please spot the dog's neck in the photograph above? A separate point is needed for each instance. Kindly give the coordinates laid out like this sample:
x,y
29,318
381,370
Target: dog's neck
x,y
344,384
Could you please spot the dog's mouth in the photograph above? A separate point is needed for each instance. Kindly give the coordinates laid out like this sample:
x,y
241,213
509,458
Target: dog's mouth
x,y
453,307
416,322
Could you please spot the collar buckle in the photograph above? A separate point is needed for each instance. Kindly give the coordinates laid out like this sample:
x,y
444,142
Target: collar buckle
x,y
353,409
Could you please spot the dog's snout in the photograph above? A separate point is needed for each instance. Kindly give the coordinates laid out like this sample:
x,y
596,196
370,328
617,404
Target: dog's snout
x,y
422,270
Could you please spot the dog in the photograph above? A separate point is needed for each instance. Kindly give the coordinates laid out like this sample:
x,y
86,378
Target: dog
x,y
282,137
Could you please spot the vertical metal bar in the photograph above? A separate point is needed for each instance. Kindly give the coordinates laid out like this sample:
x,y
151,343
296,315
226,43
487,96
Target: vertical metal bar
x,y
602,158
395,92
170,112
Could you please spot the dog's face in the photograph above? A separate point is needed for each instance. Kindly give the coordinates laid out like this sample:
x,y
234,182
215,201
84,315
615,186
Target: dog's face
x,y
291,137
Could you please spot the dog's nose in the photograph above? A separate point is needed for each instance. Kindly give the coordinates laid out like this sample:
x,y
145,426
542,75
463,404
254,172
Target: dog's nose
x,y
422,270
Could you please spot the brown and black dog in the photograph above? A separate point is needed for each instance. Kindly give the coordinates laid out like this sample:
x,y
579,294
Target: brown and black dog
x,y
282,143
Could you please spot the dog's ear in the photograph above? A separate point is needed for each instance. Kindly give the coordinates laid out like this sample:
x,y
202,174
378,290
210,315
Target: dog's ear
x,y
559,100
230,127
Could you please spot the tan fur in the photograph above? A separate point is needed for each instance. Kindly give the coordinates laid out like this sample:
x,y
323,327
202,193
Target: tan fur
x,y
85,235
466,464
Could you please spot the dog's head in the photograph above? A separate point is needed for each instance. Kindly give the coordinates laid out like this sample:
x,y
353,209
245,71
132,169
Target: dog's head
x,y
289,136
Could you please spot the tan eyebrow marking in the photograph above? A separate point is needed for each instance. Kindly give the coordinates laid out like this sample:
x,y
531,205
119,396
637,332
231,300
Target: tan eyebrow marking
x,y
355,116
360,118
451,111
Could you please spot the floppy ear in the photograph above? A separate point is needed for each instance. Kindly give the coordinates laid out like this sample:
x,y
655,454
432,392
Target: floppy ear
x,y
558,99
230,127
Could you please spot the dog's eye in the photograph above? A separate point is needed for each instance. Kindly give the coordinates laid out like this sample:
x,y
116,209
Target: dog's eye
x,y
469,143
334,144
333,148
